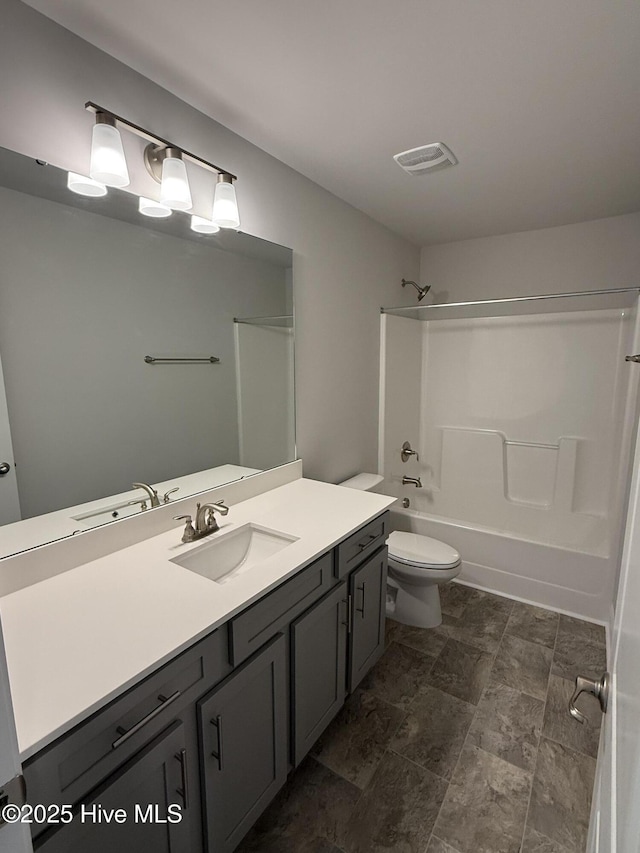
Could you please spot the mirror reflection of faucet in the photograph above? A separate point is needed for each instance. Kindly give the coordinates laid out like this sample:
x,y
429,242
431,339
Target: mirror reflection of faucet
x,y
153,495
412,481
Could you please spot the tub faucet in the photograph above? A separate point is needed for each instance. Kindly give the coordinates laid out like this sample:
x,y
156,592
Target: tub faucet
x,y
153,495
412,481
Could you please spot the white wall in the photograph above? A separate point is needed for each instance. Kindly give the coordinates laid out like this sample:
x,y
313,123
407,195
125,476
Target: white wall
x,y
264,375
345,265
604,253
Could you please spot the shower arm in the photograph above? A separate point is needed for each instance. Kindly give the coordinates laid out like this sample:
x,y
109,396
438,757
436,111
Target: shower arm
x,y
422,291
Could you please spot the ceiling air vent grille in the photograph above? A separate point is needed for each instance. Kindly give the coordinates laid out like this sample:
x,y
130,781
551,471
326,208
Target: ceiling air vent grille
x,y
426,158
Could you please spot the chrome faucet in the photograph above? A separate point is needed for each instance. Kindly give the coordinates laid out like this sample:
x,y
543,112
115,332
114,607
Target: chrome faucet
x,y
153,495
412,481
206,522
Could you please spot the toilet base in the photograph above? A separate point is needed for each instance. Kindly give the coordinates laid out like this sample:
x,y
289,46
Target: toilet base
x,y
418,606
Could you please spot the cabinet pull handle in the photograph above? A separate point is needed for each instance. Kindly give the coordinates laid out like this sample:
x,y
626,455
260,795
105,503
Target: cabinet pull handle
x,y
125,734
362,545
347,621
218,755
184,791
361,609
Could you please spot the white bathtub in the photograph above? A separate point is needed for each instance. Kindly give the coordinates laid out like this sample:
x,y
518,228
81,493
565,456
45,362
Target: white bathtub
x,y
568,580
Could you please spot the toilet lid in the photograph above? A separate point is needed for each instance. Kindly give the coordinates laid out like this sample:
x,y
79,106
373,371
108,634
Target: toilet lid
x,y
416,550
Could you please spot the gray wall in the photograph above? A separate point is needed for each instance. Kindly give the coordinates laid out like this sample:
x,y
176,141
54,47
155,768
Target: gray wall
x,y
83,298
603,253
345,265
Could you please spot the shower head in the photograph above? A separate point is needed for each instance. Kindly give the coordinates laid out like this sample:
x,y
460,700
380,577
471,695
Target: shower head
x,y
422,291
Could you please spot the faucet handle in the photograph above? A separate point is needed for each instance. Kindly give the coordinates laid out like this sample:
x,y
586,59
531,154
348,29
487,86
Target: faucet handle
x,y
165,499
189,532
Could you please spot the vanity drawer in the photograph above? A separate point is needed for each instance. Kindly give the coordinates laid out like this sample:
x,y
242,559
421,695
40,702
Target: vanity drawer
x,y
362,544
264,619
68,769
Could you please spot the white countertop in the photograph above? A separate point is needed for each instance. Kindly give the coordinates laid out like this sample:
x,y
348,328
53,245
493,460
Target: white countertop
x,y
79,639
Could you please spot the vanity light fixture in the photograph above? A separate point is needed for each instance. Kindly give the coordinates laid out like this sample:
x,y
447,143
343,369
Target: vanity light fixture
x,y
150,207
83,185
225,205
108,163
203,226
167,166
165,162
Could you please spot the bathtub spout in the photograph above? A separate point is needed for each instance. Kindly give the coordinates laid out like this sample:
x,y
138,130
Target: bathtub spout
x,y
412,481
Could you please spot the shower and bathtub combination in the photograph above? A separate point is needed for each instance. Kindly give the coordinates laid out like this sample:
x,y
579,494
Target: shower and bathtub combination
x,y
522,414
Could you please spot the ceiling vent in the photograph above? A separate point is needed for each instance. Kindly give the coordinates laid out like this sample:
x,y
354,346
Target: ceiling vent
x,y
426,158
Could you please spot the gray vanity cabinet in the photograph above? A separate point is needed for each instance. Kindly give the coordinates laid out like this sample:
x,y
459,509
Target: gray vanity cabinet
x,y
142,791
367,591
244,738
318,667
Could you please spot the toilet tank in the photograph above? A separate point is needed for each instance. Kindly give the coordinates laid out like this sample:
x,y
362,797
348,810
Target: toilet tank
x,y
363,482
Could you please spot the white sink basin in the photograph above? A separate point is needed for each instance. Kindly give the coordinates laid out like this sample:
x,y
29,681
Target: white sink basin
x,y
225,556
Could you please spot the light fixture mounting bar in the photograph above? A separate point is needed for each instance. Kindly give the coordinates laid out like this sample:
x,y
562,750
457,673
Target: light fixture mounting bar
x,y
157,140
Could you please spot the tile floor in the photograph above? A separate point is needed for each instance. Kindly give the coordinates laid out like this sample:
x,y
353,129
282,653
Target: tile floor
x,y
458,741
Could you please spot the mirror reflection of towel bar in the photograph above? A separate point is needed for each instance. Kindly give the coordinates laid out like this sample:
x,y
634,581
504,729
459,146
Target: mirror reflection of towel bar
x,y
151,359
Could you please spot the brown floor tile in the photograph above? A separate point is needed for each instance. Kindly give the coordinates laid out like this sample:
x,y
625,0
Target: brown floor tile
x,y
561,795
429,641
587,631
454,598
433,731
522,665
485,806
560,726
313,806
508,724
397,810
462,671
399,675
533,624
355,742
536,842
483,622
436,845
575,656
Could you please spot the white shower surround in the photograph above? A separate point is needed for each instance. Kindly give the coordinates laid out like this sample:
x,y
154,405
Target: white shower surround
x,y
525,474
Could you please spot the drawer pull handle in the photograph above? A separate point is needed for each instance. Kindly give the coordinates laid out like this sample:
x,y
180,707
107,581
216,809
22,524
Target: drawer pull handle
x,y
361,609
184,791
362,545
125,734
218,755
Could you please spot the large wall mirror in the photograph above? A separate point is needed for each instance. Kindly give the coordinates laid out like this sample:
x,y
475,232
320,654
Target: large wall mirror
x,y
131,350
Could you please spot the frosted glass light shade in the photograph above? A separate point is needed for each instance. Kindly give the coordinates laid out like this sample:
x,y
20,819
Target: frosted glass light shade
x,y
225,205
174,189
203,226
85,186
108,164
150,207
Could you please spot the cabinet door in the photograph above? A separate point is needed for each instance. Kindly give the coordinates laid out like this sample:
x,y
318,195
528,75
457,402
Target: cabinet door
x,y
143,790
243,729
319,653
368,591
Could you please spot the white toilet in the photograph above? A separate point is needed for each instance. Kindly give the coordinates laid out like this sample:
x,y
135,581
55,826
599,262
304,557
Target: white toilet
x,y
417,564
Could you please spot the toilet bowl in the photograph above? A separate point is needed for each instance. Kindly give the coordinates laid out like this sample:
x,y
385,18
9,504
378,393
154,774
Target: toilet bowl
x,y
417,565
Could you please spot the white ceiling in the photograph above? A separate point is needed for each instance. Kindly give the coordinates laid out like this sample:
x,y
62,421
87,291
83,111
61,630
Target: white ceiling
x,y
538,100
